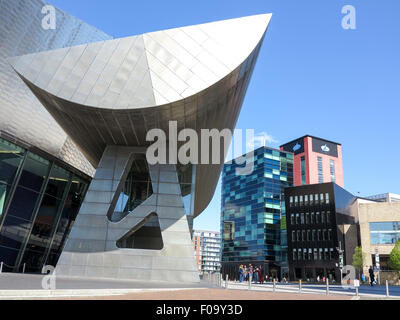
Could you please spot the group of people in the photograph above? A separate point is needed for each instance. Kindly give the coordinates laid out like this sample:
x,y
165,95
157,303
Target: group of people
x,y
253,273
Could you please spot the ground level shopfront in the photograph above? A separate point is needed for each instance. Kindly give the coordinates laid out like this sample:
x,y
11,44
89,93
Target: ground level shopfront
x,y
40,197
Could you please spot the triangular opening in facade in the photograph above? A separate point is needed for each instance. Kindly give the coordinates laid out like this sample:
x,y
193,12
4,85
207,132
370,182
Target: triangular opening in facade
x,y
145,235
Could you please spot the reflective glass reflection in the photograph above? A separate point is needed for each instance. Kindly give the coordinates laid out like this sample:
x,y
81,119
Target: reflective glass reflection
x,y
10,159
34,172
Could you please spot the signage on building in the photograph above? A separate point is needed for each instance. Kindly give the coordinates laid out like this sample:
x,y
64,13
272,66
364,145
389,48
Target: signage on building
x,y
296,146
324,147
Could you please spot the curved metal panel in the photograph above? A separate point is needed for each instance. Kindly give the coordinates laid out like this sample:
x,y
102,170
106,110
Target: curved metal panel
x,y
113,92
21,114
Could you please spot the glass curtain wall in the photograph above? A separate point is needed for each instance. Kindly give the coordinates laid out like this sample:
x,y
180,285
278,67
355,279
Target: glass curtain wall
x,y
33,196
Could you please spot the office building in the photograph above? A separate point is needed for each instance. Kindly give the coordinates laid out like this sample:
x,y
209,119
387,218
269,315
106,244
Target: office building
x,y
321,221
379,231
134,222
253,222
207,249
316,160
385,197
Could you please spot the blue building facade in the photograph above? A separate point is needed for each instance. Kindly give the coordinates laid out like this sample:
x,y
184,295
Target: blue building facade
x,y
253,221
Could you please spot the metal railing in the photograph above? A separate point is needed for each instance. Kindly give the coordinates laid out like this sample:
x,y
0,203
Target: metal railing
x,y
292,288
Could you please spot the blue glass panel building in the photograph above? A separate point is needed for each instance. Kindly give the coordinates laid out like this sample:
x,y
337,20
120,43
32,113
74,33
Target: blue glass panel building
x,y
253,218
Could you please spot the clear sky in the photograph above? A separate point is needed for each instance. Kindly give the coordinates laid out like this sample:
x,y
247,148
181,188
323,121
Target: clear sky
x,y
312,76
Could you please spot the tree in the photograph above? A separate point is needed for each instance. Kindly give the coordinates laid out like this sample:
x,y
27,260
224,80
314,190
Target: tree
x,y
394,259
358,259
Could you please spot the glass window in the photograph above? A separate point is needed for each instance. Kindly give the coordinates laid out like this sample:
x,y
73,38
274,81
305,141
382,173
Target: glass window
x,y
328,220
13,232
330,234
332,170
384,232
23,203
302,218
58,181
301,200
319,235
317,218
316,198
307,218
303,170
315,254
298,235
311,199
303,235
297,218
327,198
294,254
313,235
4,194
292,219
10,159
320,171
34,172
306,199
293,236
312,218
69,212
323,217
308,235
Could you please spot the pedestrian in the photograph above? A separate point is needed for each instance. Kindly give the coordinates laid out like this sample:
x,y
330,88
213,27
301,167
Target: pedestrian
x,y
250,272
371,275
241,273
262,274
255,275
245,273
318,278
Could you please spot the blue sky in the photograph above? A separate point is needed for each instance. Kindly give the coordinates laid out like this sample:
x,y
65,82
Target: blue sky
x,y
312,76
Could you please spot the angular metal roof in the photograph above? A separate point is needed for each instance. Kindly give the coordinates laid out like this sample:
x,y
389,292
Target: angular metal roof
x,y
112,92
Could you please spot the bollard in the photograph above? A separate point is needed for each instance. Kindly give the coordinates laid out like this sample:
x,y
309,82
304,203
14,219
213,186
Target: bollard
x,y
274,286
387,289
23,268
1,267
226,282
299,286
357,291
250,278
327,286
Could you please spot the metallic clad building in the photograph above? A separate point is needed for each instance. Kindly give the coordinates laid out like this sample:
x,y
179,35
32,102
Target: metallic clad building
x,y
41,170
107,96
21,114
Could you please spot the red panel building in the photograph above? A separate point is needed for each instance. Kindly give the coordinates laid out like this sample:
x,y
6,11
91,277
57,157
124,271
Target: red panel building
x,y
315,160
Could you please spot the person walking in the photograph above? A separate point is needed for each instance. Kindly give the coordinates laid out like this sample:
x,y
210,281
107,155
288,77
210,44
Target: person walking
x,y
250,272
371,275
